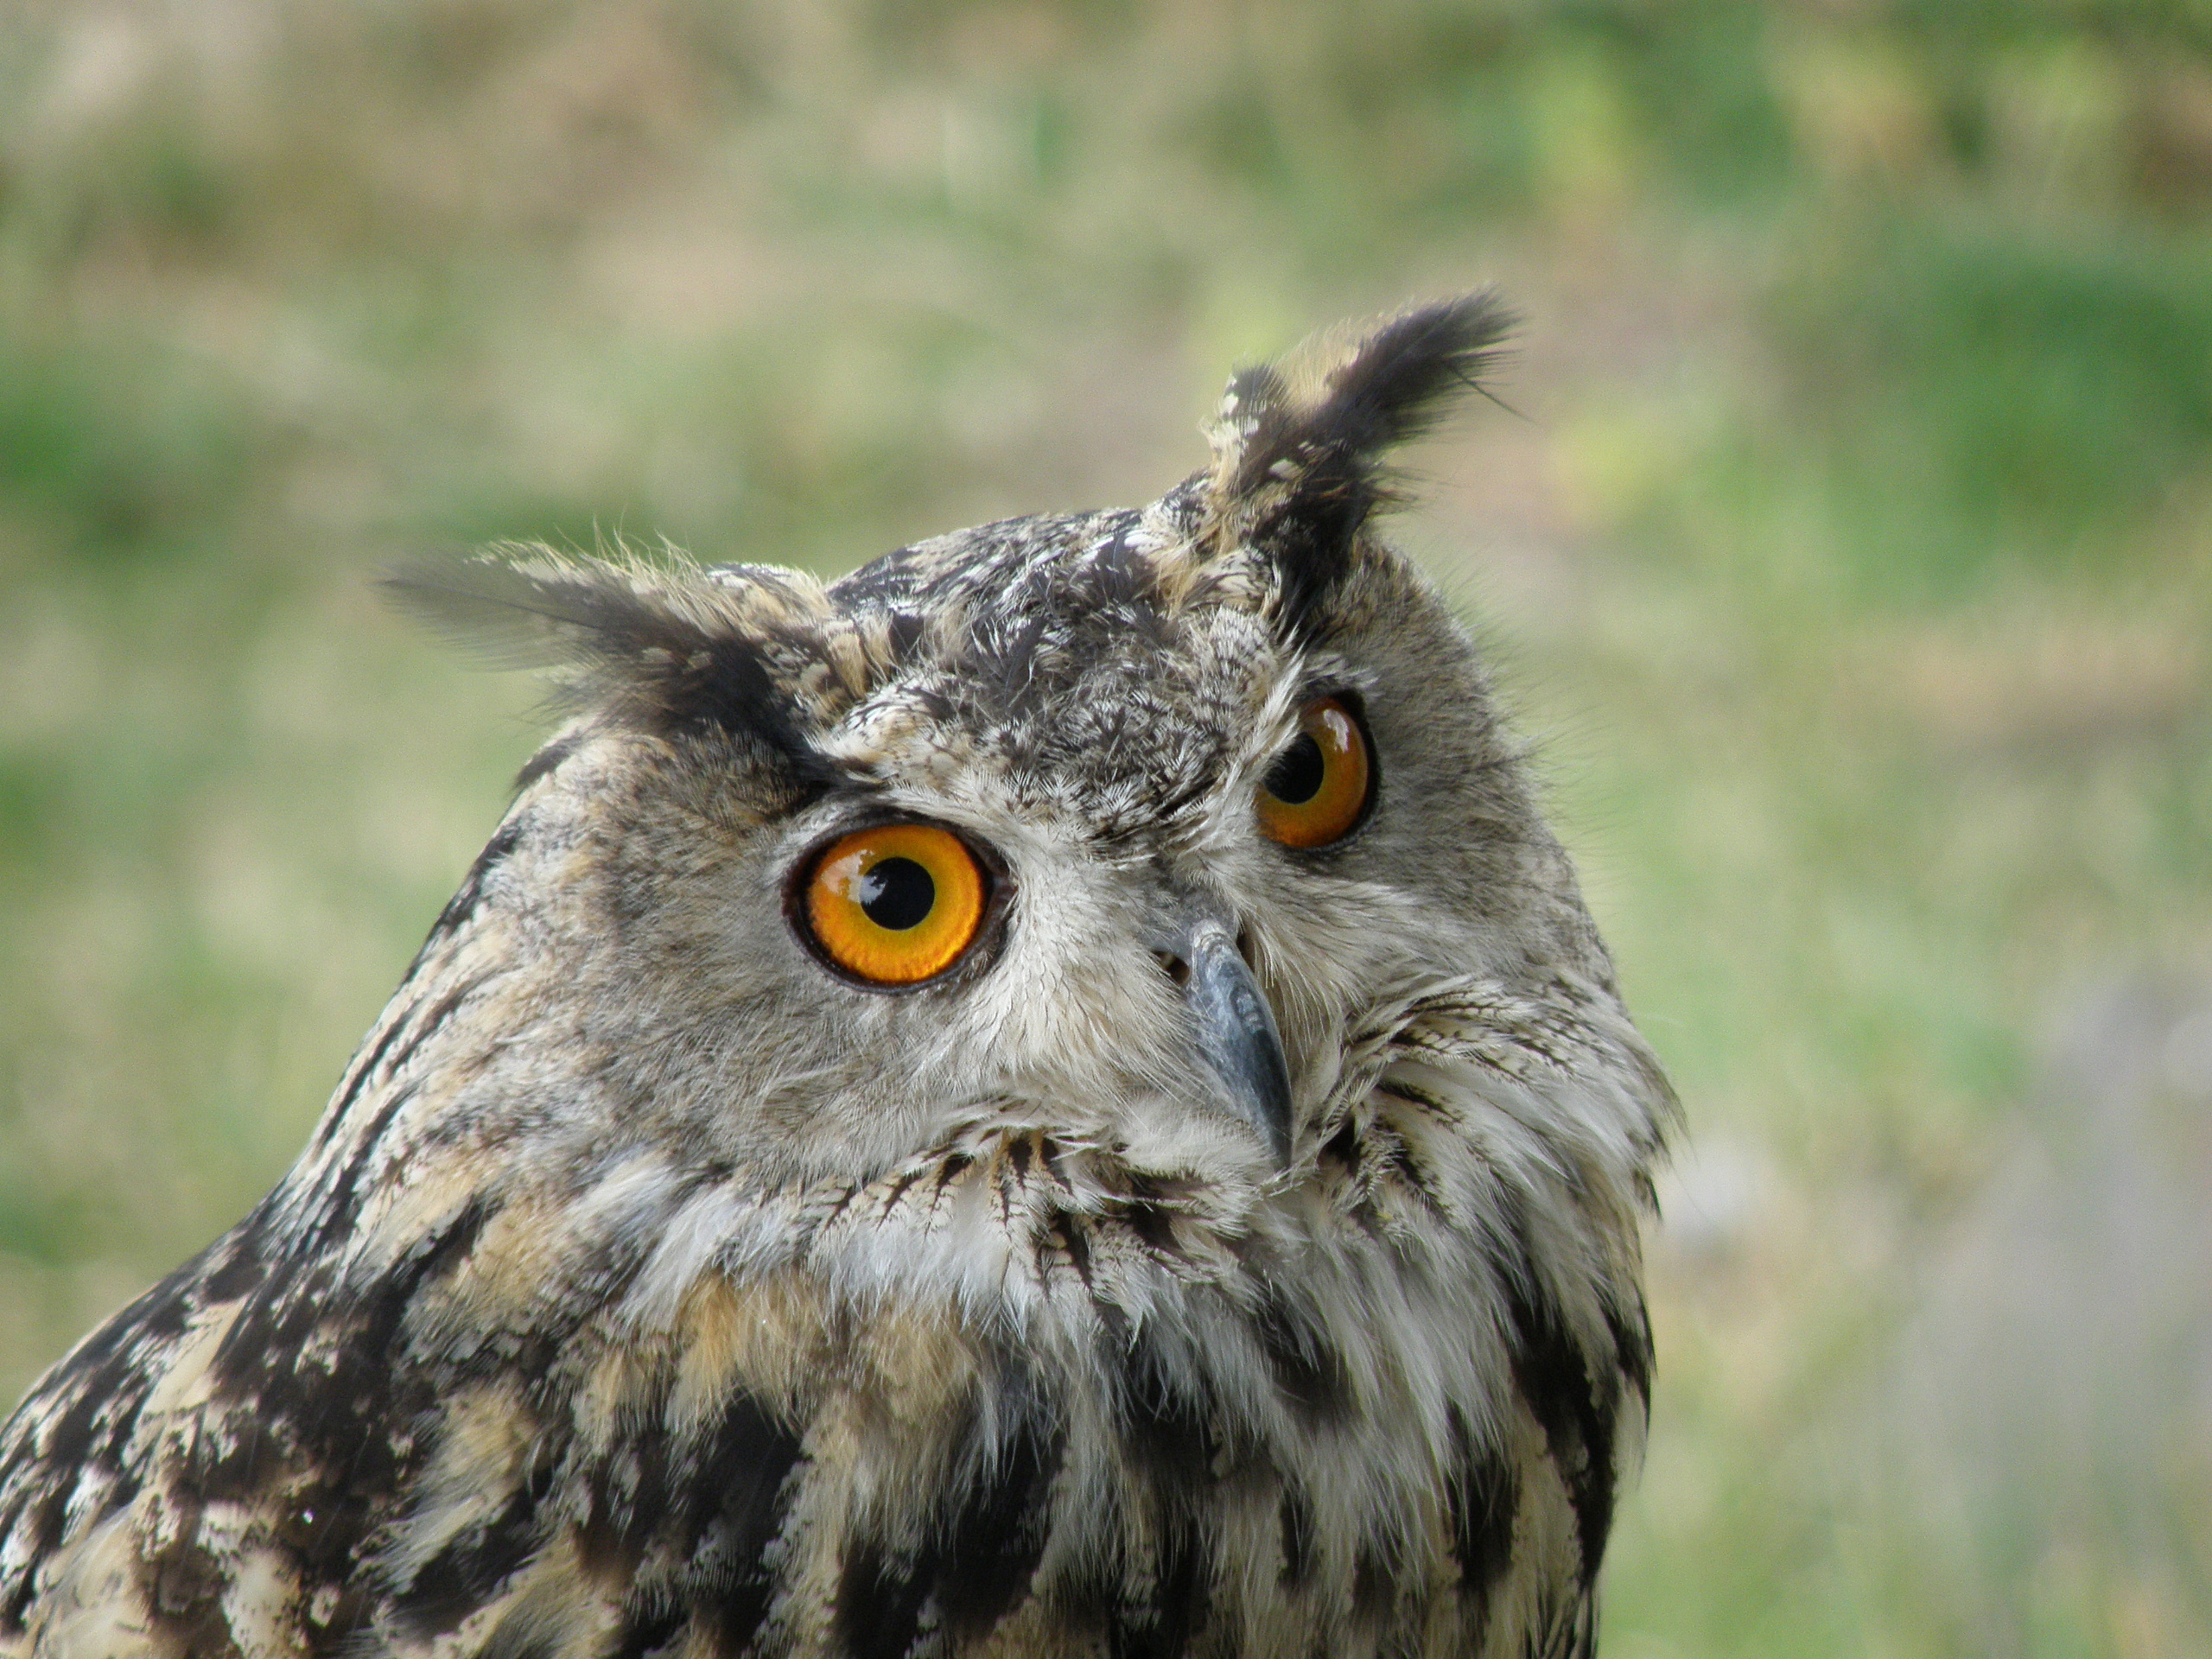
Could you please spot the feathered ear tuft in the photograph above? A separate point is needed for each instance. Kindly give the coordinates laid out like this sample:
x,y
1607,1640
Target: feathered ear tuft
x,y
1300,450
660,647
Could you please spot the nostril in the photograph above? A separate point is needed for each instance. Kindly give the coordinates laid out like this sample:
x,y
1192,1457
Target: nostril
x,y
1173,966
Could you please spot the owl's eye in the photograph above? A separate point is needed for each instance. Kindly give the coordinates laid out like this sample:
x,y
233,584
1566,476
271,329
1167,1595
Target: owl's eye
x,y
894,905
1317,790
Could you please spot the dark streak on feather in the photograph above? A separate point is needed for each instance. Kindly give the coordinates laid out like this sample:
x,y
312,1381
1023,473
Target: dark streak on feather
x,y
1481,1497
1631,1328
879,1606
996,1537
340,1205
458,909
737,1506
350,1090
1308,1371
429,1025
1180,1598
1574,1402
104,1383
185,1583
905,630
468,1572
655,1632
1070,1234
462,906
311,1386
1294,1518
547,759
1377,1568
693,1519
1169,1435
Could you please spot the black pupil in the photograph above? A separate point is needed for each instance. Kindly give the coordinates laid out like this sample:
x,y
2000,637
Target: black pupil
x,y
897,894
1296,778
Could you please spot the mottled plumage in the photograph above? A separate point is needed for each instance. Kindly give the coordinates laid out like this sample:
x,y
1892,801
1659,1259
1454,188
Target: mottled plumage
x,y
648,1288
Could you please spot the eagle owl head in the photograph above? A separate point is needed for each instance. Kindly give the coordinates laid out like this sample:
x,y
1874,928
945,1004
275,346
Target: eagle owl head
x,y
1051,1095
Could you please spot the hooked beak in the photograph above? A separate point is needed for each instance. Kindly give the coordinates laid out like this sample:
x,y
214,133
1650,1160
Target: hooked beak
x,y
1236,1028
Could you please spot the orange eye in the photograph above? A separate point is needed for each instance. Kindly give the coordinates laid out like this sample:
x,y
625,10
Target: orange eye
x,y
894,905
1317,790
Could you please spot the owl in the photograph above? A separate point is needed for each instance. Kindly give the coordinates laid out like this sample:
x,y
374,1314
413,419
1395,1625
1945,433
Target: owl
x,y
1052,1097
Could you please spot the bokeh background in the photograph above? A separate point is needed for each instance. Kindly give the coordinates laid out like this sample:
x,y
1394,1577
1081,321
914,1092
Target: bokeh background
x,y
1846,552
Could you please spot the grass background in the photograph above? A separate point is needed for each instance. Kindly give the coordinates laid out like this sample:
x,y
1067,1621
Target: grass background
x,y
1849,557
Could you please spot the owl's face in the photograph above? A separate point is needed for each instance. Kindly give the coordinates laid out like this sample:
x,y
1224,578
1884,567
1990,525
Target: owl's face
x,y
1121,826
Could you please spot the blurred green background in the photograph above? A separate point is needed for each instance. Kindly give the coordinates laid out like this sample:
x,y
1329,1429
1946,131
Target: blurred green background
x,y
1848,558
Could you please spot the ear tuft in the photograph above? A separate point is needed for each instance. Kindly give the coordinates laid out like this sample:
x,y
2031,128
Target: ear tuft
x,y
1300,450
662,647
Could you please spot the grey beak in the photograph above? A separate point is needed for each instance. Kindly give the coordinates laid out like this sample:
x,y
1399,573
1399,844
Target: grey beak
x,y
1236,1030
